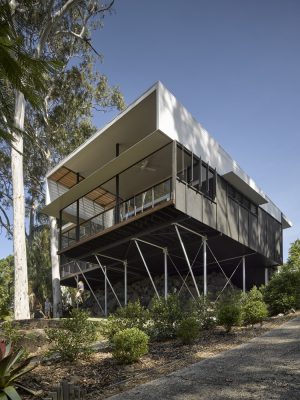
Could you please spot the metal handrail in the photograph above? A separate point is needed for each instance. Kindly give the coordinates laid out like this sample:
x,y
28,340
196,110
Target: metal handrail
x,y
65,234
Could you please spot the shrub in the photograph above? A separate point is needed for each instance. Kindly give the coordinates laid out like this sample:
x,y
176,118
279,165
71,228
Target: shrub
x,y
12,368
283,291
74,337
204,312
9,333
229,311
129,345
113,325
254,309
188,330
134,315
165,315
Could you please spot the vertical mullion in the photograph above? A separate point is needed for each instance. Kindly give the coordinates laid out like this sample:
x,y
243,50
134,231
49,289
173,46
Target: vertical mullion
x,y
207,180
60,229
77,234
200,174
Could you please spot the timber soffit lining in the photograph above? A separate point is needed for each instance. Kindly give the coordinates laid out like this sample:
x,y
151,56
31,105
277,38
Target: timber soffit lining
x,y
68,178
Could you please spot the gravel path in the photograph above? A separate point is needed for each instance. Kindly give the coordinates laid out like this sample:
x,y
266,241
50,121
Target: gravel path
x,y
266,368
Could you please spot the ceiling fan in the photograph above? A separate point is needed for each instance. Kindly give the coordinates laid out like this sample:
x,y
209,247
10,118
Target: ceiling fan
x,y
144,166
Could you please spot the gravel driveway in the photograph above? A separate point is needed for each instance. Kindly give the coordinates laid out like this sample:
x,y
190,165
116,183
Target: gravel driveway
x,y
266,368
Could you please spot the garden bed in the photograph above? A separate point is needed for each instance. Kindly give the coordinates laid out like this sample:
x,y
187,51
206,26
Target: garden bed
x,y
102,376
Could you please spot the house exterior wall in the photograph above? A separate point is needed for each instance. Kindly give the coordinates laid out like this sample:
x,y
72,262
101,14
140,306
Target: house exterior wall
x,y
261,232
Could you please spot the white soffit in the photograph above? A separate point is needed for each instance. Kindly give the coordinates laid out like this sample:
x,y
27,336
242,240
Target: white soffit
x,y
137,152
128,128
244,188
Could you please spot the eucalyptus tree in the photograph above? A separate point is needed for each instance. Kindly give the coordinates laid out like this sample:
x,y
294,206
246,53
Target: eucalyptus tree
x,y
60,30
18,71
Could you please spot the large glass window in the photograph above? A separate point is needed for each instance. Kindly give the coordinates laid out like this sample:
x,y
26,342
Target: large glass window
x,y
196,173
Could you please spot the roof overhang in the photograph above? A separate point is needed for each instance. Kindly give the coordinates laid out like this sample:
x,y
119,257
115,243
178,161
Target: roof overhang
x,y
286,223
238,183
129,157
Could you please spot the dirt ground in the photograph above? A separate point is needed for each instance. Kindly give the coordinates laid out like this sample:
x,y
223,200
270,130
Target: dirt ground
x,y
102,376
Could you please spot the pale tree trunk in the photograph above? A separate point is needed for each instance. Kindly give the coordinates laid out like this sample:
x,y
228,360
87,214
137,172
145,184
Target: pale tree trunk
x,y
21,303
56,291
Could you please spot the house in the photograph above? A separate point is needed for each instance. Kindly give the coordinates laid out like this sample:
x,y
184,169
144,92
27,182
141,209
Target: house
x,y
153,194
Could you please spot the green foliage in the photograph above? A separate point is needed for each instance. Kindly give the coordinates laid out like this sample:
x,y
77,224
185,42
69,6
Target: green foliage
x,y
229,311
134,315
129,345
254,309
12,367
165,315
75,336
293,261
188,330
204,311
9,333
39,264
19,70
6,283
283,291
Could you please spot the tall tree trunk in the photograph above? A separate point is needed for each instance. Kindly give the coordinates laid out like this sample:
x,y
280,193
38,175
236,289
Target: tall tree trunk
x,y
56,291
21,303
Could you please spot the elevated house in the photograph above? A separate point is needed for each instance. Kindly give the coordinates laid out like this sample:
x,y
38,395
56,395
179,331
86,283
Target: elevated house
x,y
153,194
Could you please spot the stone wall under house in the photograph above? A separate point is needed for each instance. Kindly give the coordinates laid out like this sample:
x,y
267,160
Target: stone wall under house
x,y
144,291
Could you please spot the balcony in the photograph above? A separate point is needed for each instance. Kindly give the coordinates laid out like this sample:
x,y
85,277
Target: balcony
x,y
124,211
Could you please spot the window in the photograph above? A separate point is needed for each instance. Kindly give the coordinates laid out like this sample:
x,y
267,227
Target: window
x,y
241,199
196,173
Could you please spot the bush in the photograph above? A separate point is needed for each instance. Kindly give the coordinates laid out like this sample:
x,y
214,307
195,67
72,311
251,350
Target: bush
x,y
254,309
113,325
283,291
204,312
165,315
129,345
10,334
188,330
134,315
75,336
229,311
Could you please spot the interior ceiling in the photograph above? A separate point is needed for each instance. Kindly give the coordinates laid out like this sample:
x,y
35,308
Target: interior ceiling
x,y
128,130
139,177
68,178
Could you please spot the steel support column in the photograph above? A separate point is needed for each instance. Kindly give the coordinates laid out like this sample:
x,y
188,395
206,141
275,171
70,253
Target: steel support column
x,y
125,283
166,272
187,260
147,269
105,290
107,280
89,286
244,274
204,268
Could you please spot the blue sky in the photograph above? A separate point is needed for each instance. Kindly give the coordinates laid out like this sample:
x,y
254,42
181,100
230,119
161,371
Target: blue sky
x,y
234,64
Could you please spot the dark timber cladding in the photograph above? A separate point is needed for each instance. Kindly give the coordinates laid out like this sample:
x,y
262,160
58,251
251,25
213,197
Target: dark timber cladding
x,y
246,223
